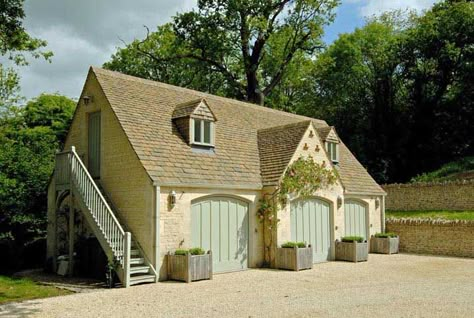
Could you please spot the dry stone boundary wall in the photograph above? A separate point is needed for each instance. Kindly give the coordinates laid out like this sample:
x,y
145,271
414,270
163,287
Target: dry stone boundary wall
x,y
457,195
436,237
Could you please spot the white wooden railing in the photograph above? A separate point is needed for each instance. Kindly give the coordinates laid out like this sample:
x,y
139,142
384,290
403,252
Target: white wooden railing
x,y
118,240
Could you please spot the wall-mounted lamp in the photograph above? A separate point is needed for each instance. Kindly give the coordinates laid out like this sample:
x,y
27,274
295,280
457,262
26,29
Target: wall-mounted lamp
x,y
87,99
316,148
311,134
305,146
377,203
339,201
172,198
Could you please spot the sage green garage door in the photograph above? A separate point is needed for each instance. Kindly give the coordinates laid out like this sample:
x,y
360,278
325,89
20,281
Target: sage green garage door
x,y
311,223
355,218
220,224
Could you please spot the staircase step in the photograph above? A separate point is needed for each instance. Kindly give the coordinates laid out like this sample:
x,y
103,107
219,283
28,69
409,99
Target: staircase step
x,y
142,279
137,261
139,269
134,252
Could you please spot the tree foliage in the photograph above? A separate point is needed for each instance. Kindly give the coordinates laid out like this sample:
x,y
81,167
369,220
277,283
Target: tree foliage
x,y
28,143
9,92
244,47
52,111
400,90
14,40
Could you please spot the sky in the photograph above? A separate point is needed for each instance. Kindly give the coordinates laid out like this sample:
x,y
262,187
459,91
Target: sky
x,y
87,32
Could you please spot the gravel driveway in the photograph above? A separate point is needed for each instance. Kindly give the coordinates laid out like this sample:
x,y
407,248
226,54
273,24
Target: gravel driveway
x,y
386,286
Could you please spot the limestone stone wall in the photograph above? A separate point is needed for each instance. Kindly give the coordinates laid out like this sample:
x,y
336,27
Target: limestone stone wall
x,y
122,176
430,196
436,237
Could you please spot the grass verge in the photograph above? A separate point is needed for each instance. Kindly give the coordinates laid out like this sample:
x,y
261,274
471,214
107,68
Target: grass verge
x,y
18,289
447,215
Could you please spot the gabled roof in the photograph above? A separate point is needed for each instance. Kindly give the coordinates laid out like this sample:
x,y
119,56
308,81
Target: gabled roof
x,y
145,110
327,133
277,146
189,108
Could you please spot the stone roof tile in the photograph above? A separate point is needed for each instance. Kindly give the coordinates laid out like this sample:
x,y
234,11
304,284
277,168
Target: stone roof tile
x,y
145,109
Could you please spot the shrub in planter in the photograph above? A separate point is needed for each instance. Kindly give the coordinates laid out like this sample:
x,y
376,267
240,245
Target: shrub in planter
x,y
350,239
293,244
352,249
189,265
294,256
384,243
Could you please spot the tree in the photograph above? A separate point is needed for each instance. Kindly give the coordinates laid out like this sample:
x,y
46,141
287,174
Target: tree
x,y
28,143
14,40
438,68
400,90
14,43
356,86
181,72
9,92
52,111
235,39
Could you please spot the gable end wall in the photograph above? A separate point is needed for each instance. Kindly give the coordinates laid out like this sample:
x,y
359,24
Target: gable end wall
x,y
123,177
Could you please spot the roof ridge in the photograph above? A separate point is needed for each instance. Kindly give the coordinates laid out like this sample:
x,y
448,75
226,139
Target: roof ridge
x,y
179,88
298,123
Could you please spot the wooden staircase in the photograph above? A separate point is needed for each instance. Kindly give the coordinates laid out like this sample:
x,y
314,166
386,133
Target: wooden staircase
x,y
119,246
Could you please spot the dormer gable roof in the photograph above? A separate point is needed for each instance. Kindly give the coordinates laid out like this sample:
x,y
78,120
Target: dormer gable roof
x,y
328,134
196,108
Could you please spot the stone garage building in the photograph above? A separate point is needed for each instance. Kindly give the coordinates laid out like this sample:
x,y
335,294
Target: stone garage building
x,y
148,168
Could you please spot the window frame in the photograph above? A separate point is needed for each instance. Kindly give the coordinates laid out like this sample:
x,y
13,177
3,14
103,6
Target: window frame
x,y
333,153
201,133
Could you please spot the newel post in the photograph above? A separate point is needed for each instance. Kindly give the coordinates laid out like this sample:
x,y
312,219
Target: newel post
x,y
126,259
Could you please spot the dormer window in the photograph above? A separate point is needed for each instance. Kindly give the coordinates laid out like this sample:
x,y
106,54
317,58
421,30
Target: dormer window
x,y
203,132
195,122
333,151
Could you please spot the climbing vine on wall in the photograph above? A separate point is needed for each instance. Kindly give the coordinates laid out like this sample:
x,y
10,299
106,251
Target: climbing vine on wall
x,y
302,179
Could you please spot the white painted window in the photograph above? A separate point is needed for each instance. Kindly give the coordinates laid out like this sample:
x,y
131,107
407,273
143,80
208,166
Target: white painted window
x,y
202,132
333,151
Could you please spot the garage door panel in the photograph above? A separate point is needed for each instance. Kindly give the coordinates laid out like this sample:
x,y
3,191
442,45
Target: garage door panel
x,y
223,229
355,219
310,223
306,225
233,229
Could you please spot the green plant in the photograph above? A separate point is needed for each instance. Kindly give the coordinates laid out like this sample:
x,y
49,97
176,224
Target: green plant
x,y
192,251
293,244
196,251
350,239
181,252
385,235
304,177
445,215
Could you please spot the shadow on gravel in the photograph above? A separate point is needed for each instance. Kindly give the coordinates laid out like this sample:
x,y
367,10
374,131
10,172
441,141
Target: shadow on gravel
x,y
23,309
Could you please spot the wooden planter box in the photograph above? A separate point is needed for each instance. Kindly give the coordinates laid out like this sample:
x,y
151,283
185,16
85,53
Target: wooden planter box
x,y
352,251
387,245
188,268
294,259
